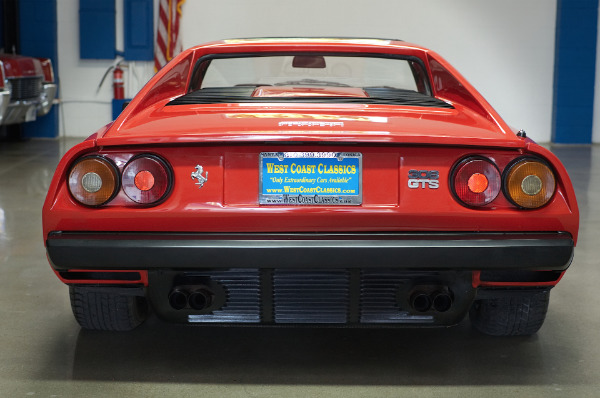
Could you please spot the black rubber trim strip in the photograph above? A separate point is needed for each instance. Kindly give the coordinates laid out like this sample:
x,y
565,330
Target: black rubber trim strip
x,y
121,290
466,251
416,99
495,293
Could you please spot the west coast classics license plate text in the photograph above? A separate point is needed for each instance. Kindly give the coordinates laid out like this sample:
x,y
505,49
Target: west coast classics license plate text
x,y
310,178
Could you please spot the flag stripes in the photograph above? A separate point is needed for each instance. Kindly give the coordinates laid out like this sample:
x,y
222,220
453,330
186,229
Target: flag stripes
x,y
167,32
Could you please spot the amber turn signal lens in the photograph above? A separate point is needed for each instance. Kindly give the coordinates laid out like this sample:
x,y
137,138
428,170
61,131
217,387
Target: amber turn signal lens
x,y
530,183
93,181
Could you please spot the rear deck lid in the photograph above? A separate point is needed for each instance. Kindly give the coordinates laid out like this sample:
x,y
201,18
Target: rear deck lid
x,y
267,121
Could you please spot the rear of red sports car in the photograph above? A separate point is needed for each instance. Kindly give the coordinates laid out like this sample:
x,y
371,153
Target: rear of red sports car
x,y
310,181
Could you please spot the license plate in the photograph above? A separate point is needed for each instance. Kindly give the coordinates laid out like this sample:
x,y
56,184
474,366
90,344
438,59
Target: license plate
x,y
310,178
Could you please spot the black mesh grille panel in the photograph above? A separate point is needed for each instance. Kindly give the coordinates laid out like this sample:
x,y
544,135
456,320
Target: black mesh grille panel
x,y
383,96
25,88
310,296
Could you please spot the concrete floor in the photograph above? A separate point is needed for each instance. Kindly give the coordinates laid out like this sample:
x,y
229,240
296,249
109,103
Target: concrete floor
x,y
43,352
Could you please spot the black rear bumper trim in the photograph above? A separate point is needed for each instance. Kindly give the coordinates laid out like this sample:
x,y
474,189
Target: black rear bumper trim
x,y
465,251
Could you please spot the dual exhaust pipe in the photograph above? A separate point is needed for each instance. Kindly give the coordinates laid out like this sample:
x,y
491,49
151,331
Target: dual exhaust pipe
x,y
198,299
439,301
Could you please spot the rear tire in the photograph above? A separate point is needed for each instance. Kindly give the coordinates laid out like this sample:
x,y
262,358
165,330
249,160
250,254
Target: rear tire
x,y
521,315
97,310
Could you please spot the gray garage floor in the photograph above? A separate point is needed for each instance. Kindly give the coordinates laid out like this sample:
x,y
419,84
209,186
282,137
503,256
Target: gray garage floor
x,y
43,352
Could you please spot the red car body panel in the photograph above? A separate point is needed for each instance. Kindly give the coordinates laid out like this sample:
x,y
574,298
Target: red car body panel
x,y
387,203
228,138
361,123
21,66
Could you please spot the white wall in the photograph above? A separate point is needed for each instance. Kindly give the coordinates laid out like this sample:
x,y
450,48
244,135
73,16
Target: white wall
x,y
85,108
504,48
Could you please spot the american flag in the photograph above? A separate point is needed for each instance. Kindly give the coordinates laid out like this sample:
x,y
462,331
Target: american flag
x,y
167,32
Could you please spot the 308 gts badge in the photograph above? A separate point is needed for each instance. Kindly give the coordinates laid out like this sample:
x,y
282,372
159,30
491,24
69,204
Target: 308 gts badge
x,y
423,179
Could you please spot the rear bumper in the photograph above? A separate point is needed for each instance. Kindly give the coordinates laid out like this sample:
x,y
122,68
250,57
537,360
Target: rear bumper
x,y
423,251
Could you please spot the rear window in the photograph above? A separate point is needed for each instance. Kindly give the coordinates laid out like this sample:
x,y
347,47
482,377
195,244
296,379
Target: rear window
x,y
313,78
314,70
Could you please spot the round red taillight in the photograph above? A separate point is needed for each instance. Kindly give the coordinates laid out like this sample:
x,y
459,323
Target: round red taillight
x,y
93,180
476,181
146,179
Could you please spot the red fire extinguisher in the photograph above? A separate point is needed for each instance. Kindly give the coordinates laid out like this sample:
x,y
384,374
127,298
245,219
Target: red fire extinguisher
x,y
118,86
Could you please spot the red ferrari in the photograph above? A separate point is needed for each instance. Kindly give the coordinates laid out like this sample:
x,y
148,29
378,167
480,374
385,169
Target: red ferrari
x,y
348,182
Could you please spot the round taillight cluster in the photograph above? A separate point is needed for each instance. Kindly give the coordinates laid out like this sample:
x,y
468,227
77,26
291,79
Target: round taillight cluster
x,y
476,181
95,180
145,179
527,182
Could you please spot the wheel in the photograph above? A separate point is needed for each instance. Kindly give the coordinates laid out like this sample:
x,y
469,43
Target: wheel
x,y
97,310
521,315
